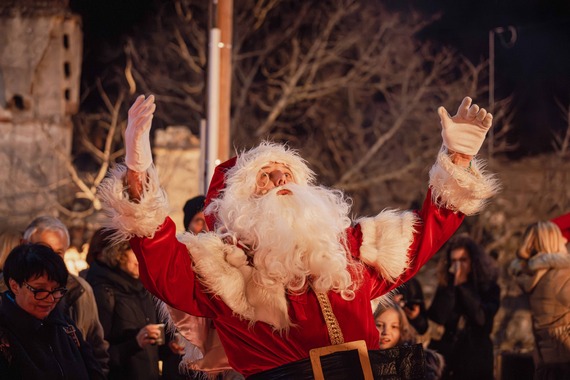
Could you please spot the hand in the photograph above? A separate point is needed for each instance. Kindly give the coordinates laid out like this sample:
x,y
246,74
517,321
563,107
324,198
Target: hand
x,y
460,275
465,132
138,156
148,335
412,312
176,348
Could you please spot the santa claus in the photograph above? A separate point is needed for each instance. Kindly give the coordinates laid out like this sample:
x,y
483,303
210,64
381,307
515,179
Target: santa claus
x,y
284,270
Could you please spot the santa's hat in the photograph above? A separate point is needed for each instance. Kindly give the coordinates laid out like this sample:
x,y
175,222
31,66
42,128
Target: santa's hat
x,y
238,175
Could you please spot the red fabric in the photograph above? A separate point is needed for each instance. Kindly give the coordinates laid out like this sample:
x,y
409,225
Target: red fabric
x,y
563,222
166,271
216,186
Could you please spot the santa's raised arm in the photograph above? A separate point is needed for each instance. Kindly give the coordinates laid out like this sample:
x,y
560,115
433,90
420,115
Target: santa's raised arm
x,y
284,269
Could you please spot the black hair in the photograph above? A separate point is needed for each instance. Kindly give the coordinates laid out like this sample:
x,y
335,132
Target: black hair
x,y
30,261
191,208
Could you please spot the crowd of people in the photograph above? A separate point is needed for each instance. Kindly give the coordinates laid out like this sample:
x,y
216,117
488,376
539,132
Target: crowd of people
x,y
273,280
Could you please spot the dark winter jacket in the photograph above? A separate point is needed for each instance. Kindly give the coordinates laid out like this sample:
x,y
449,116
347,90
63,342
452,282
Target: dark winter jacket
x,y
52,348
79,305
467,313
125,307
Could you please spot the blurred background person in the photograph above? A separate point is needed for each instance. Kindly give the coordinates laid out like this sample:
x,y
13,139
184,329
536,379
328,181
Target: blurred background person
x,y
466,301
411,299
8,240
542,270
435,364
94,249
194,220
79,301
37,340
127,312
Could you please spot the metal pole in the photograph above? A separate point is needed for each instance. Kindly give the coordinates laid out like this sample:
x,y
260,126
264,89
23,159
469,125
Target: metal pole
x,y
500,32
491,137
212,156
203,176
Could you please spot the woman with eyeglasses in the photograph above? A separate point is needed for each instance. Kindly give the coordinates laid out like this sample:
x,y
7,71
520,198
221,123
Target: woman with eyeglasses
x,y
37,340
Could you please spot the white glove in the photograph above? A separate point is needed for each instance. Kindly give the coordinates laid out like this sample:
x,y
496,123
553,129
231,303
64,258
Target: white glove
x,y
465,132
138,156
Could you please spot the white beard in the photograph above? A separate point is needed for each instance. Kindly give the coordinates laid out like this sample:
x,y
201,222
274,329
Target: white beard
x,y
293,237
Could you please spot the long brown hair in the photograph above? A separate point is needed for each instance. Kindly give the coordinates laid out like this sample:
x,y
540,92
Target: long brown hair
x,y
484,269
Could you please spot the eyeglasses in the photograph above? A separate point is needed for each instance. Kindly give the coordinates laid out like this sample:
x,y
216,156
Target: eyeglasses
x,y
42,294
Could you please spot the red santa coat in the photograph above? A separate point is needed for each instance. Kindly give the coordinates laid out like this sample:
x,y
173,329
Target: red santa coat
x,y
393,246
166,271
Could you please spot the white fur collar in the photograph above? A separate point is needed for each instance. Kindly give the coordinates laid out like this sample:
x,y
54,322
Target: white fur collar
x,y
224,270
538,266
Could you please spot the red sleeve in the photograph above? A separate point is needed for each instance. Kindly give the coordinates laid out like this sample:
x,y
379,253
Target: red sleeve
x,y
436,226
166,271
563,222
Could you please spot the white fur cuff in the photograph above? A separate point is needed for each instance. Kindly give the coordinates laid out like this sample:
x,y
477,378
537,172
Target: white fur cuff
x,y
461,189
385,242
129,218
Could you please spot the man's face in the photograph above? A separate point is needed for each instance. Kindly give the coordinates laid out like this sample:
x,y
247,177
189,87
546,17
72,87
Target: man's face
x,y
56,240
198,223
271,176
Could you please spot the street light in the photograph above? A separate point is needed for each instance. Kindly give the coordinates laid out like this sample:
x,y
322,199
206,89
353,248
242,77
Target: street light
x,y
500,32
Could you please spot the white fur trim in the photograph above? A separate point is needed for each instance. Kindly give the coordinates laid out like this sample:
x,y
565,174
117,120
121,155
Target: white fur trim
x,y
385,242
224,271
174,321
461,189
131,219
384,300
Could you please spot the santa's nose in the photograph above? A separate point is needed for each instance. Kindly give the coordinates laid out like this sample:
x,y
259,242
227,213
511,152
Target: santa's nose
x,y
278,177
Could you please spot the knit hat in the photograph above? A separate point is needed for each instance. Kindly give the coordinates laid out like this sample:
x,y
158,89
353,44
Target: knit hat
x,y
191,208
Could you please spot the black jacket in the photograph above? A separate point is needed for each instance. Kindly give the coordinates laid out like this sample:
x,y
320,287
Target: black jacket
x,y
467,314
50,349
125,307
79,304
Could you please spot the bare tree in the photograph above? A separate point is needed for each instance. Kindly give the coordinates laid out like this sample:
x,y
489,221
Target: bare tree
x,y
349,84
345,81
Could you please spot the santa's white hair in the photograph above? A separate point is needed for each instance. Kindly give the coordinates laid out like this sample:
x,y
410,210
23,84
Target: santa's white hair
x,y
291,237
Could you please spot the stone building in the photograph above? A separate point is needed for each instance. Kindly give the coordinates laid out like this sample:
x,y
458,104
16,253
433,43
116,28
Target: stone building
x,y
40,69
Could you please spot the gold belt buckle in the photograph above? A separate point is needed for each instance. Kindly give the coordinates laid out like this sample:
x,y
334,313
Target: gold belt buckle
x,y
359,345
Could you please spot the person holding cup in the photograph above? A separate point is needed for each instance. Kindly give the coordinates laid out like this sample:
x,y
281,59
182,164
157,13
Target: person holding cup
x,y
127,312
465,303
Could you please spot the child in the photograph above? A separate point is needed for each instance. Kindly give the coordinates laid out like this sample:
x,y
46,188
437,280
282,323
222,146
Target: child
x,y
392,325
395,330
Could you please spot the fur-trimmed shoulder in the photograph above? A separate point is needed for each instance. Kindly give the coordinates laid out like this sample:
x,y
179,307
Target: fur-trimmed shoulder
x,y
128,218
461,189
385,241
224,271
